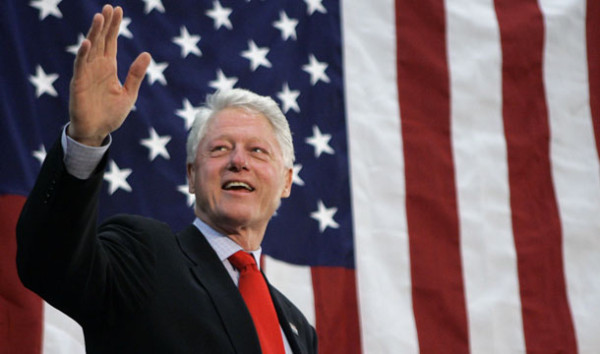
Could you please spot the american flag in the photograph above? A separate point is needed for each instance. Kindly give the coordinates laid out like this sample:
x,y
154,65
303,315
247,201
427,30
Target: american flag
x,y
446,192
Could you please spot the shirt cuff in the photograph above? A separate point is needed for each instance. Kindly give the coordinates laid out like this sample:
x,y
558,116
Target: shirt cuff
x,y
81,160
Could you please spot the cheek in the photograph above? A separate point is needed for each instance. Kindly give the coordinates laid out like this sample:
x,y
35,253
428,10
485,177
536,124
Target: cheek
x,y
277,186
208,181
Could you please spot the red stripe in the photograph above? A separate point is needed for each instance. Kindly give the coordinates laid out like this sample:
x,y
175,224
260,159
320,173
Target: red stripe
x,y
431,207
593,52
21,312
547,322
336,310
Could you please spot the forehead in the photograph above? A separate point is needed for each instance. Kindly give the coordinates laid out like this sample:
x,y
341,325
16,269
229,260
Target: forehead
x,y
239,121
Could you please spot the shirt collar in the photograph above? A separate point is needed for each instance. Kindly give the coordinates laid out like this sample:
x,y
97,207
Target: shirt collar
x,y
223,245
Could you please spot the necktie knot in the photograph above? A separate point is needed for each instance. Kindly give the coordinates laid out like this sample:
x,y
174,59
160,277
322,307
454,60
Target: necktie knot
x,y
241,260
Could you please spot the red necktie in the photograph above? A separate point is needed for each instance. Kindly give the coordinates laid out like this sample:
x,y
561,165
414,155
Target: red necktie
x,y
253,288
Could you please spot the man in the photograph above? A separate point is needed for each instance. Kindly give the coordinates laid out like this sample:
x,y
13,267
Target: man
x,y
134,285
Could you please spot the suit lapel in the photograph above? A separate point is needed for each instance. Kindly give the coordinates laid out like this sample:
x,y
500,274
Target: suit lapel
x,y
210,273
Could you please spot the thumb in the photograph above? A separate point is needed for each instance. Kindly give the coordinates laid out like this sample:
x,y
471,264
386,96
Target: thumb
x,y
136,74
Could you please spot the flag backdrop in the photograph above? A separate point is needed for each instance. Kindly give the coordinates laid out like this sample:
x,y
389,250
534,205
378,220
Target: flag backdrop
x,y
446,192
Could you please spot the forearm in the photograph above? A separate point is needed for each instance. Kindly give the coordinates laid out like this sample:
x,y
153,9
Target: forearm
x,y
67,260
56,225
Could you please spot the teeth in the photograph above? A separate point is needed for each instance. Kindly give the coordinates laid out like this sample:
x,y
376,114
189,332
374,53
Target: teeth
x,y
231,185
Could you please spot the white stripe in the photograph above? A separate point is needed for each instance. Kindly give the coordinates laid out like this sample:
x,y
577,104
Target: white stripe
x,y
377,178
295,282
61,334
487,243
575,164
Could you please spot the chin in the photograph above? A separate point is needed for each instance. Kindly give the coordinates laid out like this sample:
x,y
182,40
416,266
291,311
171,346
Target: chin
x,y
240,218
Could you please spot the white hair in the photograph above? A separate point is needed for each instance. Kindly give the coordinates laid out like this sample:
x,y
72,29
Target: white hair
x,y
250,101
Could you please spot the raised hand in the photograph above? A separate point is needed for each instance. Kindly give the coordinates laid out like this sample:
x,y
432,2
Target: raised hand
x,y
98,103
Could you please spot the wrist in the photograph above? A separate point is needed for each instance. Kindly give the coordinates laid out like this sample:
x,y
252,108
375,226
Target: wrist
x,y
85,139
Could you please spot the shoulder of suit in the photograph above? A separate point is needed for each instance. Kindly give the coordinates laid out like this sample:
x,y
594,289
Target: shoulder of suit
x,y
135,225
134,220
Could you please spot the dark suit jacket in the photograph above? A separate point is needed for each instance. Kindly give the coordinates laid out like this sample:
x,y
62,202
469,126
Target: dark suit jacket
x,y
133,284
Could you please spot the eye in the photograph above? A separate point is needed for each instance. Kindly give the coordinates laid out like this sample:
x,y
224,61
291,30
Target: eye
x,y
218,150
260,151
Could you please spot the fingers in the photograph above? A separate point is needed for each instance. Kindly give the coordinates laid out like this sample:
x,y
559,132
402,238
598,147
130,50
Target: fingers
x,y
104,30
113,32
107,12
99,39
82,56
136,74
95,29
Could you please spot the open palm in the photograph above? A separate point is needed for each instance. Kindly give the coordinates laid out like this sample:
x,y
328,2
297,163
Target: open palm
x,y
98,102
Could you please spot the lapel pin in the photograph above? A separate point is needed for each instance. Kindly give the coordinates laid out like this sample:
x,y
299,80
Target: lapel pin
x,y
294,329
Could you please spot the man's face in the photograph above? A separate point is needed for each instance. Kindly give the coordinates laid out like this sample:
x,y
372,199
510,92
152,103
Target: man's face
x,y
238,175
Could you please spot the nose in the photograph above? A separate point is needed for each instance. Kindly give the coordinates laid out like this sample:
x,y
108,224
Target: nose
x,y
238,160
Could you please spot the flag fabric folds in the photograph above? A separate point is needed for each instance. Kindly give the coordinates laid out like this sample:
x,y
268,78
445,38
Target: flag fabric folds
x,y
446,193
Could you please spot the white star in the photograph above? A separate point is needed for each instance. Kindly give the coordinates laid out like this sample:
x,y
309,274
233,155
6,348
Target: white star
x,y
150,5
220,15
316,69
187,42
188,113
325,216
288,99
43,82
157,145
286,25
47,7
73,49
296,175
40,154
155,72
223,82
123,28
256,55
186,191
320,142
315,5
117,178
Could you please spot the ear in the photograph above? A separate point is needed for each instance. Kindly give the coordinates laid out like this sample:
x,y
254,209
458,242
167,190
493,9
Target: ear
x,y
191,176
287,189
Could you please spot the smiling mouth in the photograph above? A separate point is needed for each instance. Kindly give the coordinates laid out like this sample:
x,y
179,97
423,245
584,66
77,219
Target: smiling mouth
x,y
236,186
